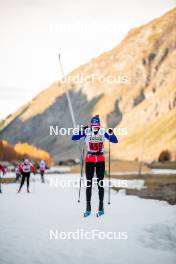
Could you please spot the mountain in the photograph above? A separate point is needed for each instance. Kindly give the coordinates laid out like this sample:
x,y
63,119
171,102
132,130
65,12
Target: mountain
x,y
140,100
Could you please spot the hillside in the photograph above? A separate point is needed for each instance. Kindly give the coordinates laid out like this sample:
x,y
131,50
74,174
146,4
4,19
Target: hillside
x,y
145,104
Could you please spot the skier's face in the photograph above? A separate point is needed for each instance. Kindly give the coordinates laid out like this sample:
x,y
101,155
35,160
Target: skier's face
x,y
95,128
26,161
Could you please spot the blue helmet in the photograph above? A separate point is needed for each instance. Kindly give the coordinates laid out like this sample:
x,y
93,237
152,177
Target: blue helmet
x,y
95,121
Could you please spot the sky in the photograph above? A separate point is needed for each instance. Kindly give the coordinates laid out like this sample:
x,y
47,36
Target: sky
x,y
33,32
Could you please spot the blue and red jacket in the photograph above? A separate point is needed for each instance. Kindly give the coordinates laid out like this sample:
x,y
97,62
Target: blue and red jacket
x,y
95,144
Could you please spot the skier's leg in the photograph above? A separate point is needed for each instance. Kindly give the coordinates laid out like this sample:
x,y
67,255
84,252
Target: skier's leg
x,y
28,180
42,176
100,170
22,181
17,177
89,176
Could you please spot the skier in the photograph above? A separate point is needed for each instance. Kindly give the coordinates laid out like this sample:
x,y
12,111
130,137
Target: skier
x,y
95,160
2,169
25,169
17,173
42,168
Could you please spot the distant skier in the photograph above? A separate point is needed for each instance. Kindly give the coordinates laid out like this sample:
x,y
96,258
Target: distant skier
x,y
25,169
17,173
95,160
2,169
42,168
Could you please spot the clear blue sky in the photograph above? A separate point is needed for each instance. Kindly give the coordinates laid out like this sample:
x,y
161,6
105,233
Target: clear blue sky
x,y
34,31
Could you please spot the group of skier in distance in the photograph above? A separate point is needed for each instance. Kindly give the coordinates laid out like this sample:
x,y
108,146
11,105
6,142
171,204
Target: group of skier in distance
x,y
23,171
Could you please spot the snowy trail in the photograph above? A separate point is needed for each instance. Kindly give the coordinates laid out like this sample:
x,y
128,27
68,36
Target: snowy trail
x,y
26,221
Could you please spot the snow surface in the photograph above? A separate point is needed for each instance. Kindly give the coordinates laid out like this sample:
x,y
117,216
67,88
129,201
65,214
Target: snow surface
x,y
27,219
164,171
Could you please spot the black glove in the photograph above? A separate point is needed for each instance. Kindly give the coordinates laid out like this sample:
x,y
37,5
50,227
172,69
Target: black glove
x,y
110,131
85,127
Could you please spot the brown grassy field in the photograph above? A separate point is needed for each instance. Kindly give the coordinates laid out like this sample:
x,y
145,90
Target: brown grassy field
x,y
156,186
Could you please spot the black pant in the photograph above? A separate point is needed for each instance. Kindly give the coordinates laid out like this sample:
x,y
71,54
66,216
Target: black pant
x,y
18,175
25,175
100,170
42,177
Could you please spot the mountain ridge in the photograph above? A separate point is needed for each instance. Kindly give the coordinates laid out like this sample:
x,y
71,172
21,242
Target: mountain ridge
x,y
147,56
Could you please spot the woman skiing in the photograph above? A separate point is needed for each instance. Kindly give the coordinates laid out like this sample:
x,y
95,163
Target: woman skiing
x,y
95,160
2,168
42,168
25,169
17,173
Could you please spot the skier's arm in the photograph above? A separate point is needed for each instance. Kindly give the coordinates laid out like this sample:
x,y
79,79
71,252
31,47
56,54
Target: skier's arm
x,y
79,136
32,169
20,168
111,136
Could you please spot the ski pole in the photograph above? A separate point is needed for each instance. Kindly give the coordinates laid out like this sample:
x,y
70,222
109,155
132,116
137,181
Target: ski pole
x,y
81,175
73,121
67,94
109,188
69,102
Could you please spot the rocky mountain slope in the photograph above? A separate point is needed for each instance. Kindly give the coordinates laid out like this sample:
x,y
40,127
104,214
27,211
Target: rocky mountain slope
x,y
141,100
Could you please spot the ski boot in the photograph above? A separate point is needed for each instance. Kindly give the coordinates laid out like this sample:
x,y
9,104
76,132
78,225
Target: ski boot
x,y
100,210
88,210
